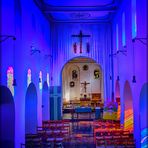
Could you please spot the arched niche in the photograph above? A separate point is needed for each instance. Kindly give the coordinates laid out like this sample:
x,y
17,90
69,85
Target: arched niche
x,y
128,107
45,102
31,110
143,107
7,118
117,98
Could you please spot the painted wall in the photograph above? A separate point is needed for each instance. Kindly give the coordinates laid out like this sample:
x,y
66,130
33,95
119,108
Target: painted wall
x,y
100,46
72,93
134,62
24,20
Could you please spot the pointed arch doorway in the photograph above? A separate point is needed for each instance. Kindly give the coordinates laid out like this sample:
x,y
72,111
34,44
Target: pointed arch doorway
x,y
82,85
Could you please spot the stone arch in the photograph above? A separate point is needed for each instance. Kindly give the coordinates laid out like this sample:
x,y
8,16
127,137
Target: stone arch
x,y
143,107
31,109
7,116
45,102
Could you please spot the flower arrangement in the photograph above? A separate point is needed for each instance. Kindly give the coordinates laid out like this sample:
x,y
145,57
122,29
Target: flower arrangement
x,y
111,107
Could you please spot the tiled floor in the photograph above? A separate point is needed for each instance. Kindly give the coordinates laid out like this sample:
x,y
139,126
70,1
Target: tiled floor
x,y
81,135
81,131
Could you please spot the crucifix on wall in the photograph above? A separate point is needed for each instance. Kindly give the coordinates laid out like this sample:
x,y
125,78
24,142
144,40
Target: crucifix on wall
x,y
85,84
80,36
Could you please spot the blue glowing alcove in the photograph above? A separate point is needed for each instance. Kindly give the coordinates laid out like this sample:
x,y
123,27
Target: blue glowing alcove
x,y
45,102
7,116
31,109
143,105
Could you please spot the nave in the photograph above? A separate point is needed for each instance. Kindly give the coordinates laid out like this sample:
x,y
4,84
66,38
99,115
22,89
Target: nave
x,y
80,134
73,73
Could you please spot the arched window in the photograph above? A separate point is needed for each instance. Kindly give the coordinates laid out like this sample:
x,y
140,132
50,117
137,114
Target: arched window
x,y
10,77
40,80
48,79
117,38
134,19
123,30
28,77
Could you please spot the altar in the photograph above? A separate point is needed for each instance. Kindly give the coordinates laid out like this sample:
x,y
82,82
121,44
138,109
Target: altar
x,y
83,110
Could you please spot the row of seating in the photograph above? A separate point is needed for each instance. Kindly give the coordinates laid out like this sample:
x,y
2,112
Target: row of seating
x,y
112,133
50,134
106,124
115,138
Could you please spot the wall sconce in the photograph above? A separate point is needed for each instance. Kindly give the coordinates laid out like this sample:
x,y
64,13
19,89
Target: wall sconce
x,y
5,37
34,50
134,79
14,82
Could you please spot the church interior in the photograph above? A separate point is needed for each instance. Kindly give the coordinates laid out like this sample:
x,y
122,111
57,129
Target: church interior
x,y
82,77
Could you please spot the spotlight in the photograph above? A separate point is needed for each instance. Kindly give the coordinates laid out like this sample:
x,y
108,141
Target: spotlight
x,y
118,78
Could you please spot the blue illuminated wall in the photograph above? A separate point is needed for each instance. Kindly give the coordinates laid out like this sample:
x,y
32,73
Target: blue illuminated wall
x,y
99,48
134,60
32,30
25,21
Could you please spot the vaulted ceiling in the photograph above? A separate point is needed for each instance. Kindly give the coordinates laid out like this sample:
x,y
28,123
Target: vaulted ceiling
x,y
78,10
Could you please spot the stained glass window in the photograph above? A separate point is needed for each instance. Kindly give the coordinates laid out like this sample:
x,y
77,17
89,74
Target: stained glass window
x,y
123,30
10,77
28,77
48,79
134,19
40,80
117,38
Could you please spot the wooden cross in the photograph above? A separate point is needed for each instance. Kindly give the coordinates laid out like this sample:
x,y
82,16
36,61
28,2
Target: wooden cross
x,y
85,84
80,36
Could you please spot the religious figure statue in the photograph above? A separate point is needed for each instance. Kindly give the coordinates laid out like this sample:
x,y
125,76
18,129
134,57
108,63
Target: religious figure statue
x,y
85,84
96,73
74,74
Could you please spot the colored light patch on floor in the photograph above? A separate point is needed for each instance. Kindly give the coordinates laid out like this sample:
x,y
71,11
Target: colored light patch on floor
x,y
128,120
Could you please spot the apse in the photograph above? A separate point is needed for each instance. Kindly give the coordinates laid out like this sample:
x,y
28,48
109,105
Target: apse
x,y
82,77
31,109
7,116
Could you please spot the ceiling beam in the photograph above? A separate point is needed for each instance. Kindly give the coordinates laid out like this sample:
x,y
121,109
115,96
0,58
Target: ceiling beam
x,y
49,9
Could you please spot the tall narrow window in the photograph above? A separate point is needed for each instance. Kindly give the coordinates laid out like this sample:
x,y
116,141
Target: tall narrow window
x,y
10,77
40,80
48,79
123,30
134,19
28,77
117,38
